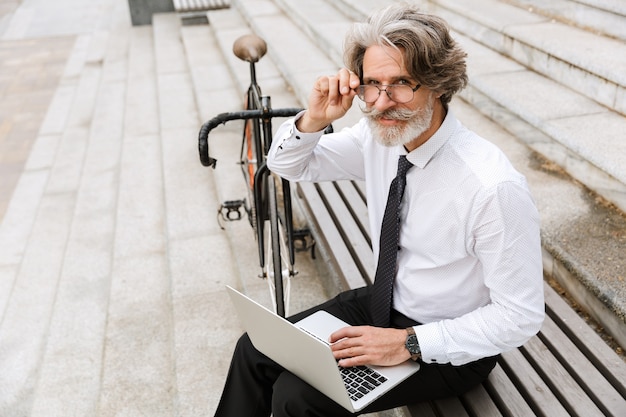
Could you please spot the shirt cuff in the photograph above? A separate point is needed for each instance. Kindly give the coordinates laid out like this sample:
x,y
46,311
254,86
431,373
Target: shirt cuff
x,y
291,136
431,343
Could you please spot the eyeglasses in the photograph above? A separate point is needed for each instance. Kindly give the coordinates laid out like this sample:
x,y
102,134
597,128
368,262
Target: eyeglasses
x,y
400,93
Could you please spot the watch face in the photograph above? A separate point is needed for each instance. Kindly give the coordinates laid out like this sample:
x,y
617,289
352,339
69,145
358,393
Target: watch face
x,y
412,345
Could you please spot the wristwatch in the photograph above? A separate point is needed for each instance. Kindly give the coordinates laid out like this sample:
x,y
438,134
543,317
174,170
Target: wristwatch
x,y
412,345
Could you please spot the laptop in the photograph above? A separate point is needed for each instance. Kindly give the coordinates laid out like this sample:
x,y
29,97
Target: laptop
x,y
303,349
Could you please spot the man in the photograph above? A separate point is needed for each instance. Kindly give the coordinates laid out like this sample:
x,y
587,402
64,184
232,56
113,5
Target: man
x,y
465,275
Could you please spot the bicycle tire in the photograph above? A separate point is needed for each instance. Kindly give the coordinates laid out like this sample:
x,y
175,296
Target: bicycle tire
x,y
275,246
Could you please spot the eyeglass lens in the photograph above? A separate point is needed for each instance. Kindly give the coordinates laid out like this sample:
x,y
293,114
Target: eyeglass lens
x,y
400,93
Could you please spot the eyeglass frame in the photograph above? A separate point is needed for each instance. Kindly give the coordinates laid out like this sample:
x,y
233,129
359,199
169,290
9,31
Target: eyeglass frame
x,y
380,90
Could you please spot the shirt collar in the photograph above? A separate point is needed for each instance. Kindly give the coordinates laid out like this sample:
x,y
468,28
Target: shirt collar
x,y
422,155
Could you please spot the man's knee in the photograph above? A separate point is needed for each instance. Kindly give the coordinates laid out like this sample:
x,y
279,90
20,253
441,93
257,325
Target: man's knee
x,y
287,398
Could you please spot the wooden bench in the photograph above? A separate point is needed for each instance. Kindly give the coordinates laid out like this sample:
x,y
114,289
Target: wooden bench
x,y
566,370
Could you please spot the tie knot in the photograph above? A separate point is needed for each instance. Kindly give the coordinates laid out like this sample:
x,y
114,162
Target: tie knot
x,y
403,165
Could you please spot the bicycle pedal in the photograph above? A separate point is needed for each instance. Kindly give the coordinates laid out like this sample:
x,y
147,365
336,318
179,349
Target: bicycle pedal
x,y
303,241
230,210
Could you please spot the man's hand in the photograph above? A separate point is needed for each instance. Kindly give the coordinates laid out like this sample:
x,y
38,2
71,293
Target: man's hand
x,y
366,345
330,99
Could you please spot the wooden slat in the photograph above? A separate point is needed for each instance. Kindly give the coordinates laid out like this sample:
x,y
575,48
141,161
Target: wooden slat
x,y
349,230
357,206
534,389
561,382
578,365
327,235
592,346
360,185
480,403
506,395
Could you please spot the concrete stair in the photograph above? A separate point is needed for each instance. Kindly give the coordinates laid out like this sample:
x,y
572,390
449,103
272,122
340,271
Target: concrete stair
x,y
600,16
571,99
105,305
112,262
547,91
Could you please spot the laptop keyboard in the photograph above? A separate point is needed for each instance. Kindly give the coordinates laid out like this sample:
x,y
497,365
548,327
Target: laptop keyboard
x,y
360,380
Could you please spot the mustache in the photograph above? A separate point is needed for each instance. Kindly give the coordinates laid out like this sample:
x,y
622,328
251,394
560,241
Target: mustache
x,y
394,114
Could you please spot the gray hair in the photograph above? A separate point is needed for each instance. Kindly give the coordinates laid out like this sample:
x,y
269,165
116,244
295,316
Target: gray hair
x,y
432,57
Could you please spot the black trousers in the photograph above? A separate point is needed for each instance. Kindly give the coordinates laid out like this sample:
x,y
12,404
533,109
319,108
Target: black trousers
x,y
257,386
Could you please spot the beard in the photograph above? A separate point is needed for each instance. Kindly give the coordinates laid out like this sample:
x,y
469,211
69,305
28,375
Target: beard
x,y
417,122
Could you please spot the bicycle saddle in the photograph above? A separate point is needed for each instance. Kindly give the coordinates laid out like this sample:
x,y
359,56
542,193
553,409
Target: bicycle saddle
x,y
249,48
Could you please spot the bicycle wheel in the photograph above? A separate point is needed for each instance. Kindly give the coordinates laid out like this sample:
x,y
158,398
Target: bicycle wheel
x,y
274,263
249,156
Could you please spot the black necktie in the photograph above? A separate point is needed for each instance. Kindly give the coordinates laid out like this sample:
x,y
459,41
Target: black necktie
x,y
382,291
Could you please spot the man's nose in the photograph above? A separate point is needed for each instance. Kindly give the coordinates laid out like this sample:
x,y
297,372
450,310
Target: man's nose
x,y
383,102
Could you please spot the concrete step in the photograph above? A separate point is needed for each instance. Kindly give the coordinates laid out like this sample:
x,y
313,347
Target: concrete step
x,y
38,229
78,323
607,17
586,62
139,336
56,237
571,253
201,303
568,83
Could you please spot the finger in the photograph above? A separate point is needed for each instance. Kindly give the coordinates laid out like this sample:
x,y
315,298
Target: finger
x,y
351,357
355,81
350,362
345,347
347,352
345,332
333,89
321,85
344,81
356,360
348,81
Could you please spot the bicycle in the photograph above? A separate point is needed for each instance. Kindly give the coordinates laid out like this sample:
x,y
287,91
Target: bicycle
x,y
261,203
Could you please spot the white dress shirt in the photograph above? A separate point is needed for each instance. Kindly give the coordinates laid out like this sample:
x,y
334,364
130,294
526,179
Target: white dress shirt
x,y
469,264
